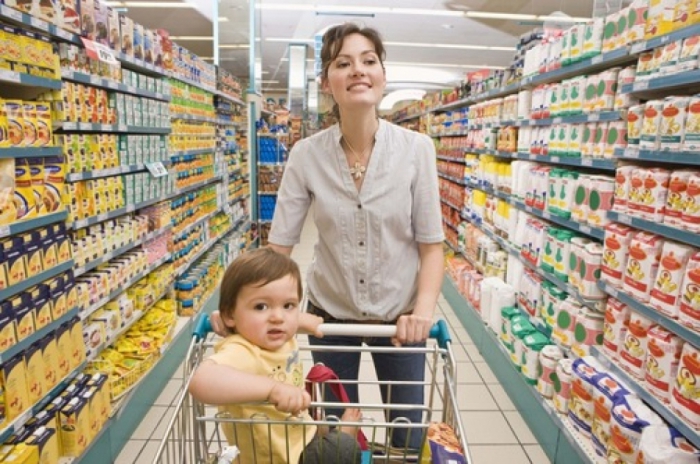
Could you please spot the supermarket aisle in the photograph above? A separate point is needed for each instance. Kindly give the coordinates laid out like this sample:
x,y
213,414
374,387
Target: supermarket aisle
x,y
495,430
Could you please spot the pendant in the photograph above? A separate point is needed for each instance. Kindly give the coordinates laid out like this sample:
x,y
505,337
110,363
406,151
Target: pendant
x,y
357,170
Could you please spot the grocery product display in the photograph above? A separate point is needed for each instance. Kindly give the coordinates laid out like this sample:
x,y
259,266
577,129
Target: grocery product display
x,y
568,184
272,156
124,186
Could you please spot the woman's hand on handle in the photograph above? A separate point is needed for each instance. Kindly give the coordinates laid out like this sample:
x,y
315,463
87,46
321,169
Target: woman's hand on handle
x,y
411,329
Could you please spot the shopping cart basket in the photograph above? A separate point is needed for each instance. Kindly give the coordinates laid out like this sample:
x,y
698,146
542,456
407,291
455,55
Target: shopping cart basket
x,y
194,435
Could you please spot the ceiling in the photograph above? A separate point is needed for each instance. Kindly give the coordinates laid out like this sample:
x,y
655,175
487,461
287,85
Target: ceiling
x,y
281,22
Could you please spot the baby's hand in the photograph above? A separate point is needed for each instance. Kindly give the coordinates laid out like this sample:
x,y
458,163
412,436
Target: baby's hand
x,y
288,398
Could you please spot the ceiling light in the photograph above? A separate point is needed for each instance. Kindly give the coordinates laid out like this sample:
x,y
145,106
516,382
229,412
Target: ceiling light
x,y
233,46
192,38
393,98
442,65
223,19
272,81
492,15
351,9
563,19
451,46
288,40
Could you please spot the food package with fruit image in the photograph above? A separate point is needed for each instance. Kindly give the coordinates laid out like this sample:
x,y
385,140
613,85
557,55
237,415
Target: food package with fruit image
x,y
689,304
442,446
585,373
663,355
615,252
661,444
673,117
607,389
617,318
675,198
691,142
664,295
690,217
642,265
630,416
636,21
633,351
685,392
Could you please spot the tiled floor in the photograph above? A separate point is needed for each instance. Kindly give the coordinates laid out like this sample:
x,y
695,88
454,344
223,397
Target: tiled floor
x,y
495,430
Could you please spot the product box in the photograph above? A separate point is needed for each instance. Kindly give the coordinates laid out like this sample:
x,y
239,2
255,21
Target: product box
x,y
442,446
23,454
138,41
34,360
74,420
43,306
24,312
14,383
78,353
45,441
64,344
49,350
126,26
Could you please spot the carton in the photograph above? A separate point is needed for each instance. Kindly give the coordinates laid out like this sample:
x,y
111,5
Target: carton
x,y
617,317
45,440
74,420
23,453
64,344
14,385
8,326
49,350
43,306
676,197
667,285
24,312
87,19
36,378
664,352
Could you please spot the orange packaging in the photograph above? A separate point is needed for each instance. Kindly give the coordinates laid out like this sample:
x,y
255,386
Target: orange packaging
x,y
615,253
642,264
675,199
685,392
669,278
634,347
690,217
689,304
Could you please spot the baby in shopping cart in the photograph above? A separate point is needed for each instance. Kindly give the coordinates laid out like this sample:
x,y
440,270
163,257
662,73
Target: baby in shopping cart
x,y
256,375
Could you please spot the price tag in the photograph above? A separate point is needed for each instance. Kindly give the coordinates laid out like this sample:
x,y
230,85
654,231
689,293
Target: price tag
x,y
113,85
9,76
22,419
638,48
95,80
157,169
631,152
585,229
665,39
546,214
80,271
102,217
11,13
121,128
98,51
69,126
597,59
528,209
39,24
65,35
557,121
4,231
643,85
555,159
623,218
131,89
131,208
594,117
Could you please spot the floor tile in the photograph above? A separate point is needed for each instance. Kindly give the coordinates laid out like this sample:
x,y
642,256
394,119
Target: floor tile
x,y
522,431
487,428
473,353
475,398
130,452
536,454
490,454
486,372
171,391
501,397
149,423
148,452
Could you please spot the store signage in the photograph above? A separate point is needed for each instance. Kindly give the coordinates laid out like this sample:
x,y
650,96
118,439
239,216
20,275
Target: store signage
x,y
157,169
98,51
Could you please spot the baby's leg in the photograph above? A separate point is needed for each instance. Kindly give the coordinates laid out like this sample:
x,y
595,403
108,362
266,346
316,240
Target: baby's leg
x,y
350,415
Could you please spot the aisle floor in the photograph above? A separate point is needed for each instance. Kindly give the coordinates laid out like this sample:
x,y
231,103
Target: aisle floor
x,y
496,432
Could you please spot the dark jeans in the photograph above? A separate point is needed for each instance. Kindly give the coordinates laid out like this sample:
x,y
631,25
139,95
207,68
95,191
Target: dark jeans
x,y
395,366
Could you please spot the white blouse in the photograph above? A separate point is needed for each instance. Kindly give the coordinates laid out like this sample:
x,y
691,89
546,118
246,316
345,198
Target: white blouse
x,y
366,260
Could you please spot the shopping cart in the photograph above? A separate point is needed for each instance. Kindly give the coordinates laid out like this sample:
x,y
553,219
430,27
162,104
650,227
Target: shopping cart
x,y
194,433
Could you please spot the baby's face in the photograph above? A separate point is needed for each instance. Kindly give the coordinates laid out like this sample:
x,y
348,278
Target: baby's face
x,y
267,315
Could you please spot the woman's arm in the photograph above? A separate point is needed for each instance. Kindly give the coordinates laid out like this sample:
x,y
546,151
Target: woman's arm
x,y
217,384
285,250
415,327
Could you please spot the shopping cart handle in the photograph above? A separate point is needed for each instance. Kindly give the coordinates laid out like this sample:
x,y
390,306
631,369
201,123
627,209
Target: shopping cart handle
x,y
438,331
202,327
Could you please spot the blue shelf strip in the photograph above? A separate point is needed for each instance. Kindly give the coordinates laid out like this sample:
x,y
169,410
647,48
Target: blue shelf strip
x,y
228,97
453,179
571,119
110,172
674,326
585,162
451,205
201,151
196,224
672,81
656,42
30,152
678,235
674,157
37,279
12,77
31,224
594,232
198,85
604,60
657,405
451,159
117,128
97,81
36,336
119,251
22,419
192,117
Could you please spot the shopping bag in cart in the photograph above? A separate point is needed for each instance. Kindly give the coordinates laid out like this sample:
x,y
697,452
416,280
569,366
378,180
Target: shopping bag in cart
x,y
442,446
321,374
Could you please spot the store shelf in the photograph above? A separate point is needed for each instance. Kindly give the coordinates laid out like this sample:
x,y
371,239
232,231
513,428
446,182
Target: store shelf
x,y
230,98
19,421
97,81
122,288
194,187
495,93
198,85
109,172
30,152
451,205
119,251
37,279
192,117
672,157
678,235
603,116
657,405
141,66
584,162
688,79
686,333
595,232
22,345
557,440
109,128
31,224
12,77
201,151
596,63
451,159
184,267
453,179
196,223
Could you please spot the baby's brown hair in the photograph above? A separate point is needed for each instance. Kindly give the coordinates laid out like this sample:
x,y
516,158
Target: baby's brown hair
x,y
258,267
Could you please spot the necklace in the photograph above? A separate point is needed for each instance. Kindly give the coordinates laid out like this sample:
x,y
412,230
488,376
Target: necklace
x,y
358,169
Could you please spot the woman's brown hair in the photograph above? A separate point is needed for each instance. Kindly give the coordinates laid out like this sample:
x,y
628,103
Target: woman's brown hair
x,y
333,41
258,267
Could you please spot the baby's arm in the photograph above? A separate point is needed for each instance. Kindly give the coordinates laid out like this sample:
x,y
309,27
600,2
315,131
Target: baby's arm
x,y
217,384
308,324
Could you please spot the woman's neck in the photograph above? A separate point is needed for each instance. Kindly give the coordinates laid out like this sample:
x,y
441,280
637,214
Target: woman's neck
x,y
359,132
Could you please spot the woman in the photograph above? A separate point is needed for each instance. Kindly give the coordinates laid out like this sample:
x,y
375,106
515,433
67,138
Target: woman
x,y
377,210
376,203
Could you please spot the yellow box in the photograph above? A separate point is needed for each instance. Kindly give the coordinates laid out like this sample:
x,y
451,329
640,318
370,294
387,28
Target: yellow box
x,y
78,352
659,18
8,326
91,408
100,382
14,385
64,344
34,358
74,427
24,312
45,440
23,454
52,358
43,306
13,249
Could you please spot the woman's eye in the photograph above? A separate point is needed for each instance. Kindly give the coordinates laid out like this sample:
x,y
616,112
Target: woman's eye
x,y
342,64
370,62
